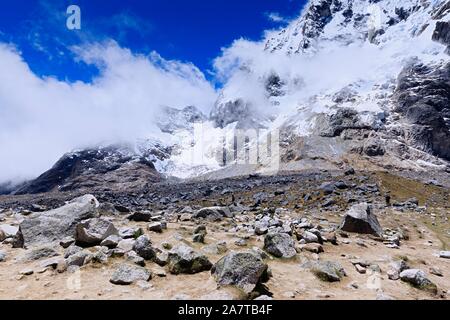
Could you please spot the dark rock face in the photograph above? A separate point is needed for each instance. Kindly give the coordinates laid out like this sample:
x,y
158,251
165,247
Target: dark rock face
x,y
240,111
173,119
108,167
442,33
343,119
423,99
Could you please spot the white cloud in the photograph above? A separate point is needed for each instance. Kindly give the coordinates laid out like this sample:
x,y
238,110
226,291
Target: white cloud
x,y
276,17
41,119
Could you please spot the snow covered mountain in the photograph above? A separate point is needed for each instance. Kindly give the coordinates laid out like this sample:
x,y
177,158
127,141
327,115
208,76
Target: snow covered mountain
x,y
364,83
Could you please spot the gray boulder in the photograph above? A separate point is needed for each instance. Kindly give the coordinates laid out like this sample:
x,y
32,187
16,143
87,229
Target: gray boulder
x,y
360,219
12,232
79,259
280,245
327,271
127,274
444,254
213,213
49,226
143,247
244,270
2,256
40,253
92,232
418,279
183,259
111,242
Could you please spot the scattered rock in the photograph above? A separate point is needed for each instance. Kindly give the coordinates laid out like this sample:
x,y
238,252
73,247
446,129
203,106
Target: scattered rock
x,y
130,233
79,259
126,245
244,270
156,227
141,216
444,254
111,242
55,225
92,232
143,247
40,253
326,270
183,259
313,247
127,274
418,279
360,219
280,245
213,213
67,242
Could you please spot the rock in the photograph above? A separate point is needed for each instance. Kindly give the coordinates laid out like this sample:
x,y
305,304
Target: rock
x,y
79,259
127,274
436,271
55,263
263,297
199,238
2,256
156,227
126,245
183,259
213,213
92,232
12,233
130,233
143,247
442,33
216,248
383,297
444,254
55,225
360,269
373,147
327,188
360,219
141,216
313,247
111,242
27,272
327,271
135,258
72,250
162,258
280,245
418,279
308,237
244,270
67,242
395,268
40,253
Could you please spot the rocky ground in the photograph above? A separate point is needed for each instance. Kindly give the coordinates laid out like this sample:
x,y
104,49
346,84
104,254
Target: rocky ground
x,y
310,235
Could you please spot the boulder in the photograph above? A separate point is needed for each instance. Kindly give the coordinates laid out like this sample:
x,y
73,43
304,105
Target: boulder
x,y
183,259
327,271
79,259
2,256
40,253
156,227
418,279
111,242
143,247
444,254
213,213
244,270
141,216
127,274
92,232
55,225
12,232
280,245
360,219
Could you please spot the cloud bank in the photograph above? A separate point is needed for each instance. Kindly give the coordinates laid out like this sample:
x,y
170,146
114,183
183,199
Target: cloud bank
x,y
43,118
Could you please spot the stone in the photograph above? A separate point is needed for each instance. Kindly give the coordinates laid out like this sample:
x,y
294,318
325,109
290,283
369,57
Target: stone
x,y
156,227
141,216
57,263
183,259
2,256
67,242
216,248
126,245
133,257
244,270
13,234
313,247
280,245
327,271
111,242
360,269
199,238
418,279
127,274
213,213
360,219
40,253
130,233
27,272
73,249
79,259
444,254
383,297
436,271
92,232
309,237
55,225
143,247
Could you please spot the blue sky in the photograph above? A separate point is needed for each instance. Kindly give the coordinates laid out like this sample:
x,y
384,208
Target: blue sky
x,y
193,30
